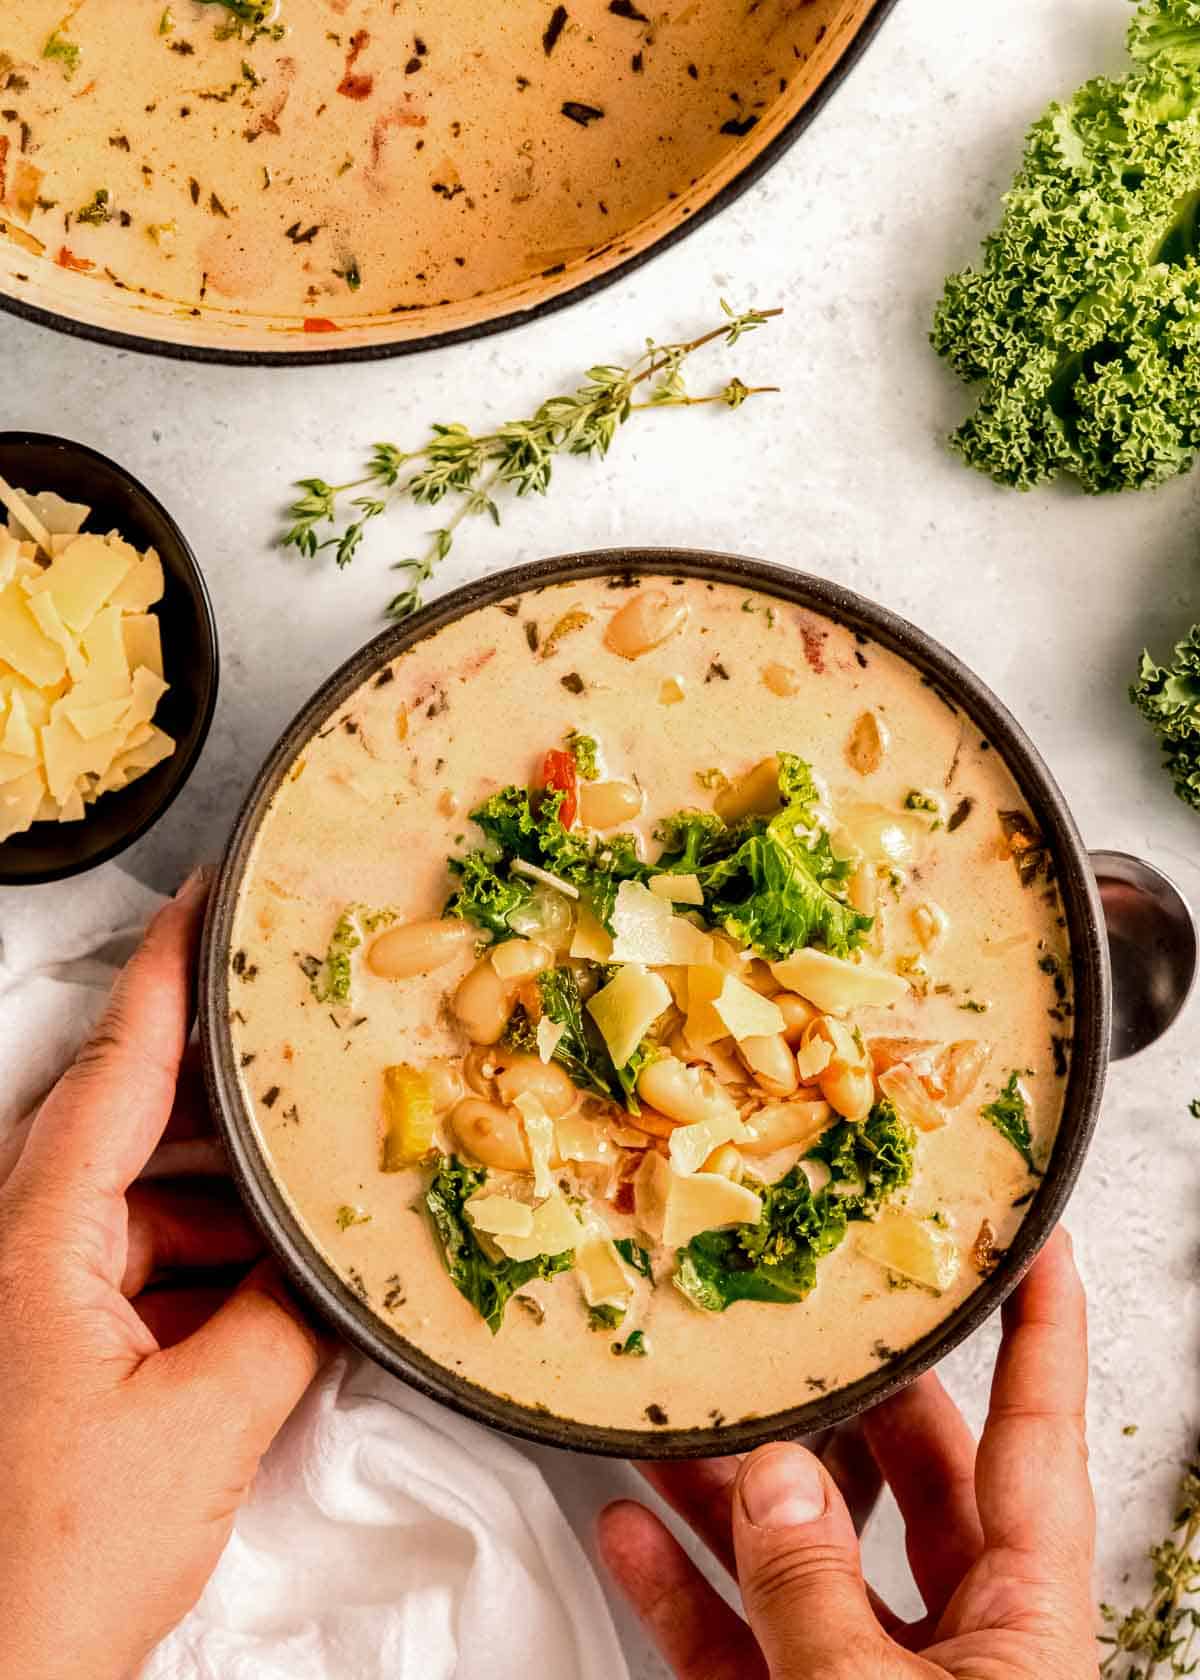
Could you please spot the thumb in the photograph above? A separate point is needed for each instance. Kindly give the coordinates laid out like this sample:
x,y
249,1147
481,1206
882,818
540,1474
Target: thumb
x,y
247,1367
800,1571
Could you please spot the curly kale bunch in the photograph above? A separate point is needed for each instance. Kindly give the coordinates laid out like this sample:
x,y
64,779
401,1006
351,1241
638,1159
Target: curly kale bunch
x,y
1082,323
1168,697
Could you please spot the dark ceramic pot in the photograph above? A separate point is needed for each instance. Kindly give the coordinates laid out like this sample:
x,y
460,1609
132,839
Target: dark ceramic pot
x,y
37,285
959,689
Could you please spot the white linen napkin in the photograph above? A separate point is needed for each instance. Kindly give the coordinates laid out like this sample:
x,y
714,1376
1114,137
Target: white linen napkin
x,y
385,1538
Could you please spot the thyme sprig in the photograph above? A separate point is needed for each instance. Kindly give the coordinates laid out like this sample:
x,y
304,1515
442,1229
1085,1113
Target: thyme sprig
x,y
1156,1639
516,458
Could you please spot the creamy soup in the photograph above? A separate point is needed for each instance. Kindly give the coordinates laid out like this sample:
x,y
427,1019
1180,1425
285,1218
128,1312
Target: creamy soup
x,y
714,1062
357,160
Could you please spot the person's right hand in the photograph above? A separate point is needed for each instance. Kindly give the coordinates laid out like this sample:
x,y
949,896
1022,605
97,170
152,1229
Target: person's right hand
x,y
1000,1541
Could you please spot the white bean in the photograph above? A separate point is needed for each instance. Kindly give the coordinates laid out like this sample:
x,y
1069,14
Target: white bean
x,y
771,1062
491,1135
798,1014
420,947
784,1125
608,804
645,622
520,959
851,1090
684,1094
483,1003
446,1085
726,1161
530,1076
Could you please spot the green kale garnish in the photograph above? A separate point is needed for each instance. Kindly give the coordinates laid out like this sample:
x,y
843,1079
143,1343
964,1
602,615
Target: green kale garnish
x,y
776,1260
1010,1116
918,801
1168,697
583,750
782,888
521,825
636,1256
606,1317
1081,323
348,1216
331,980
633,1347
487,894
97,210
488,1284
67,53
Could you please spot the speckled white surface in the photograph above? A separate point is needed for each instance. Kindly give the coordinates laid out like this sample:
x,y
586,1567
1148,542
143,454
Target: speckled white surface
x,y
1049,596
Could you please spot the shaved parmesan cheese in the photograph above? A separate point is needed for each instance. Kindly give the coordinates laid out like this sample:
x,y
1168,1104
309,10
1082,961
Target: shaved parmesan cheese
x,y
107,676
813,1058
23,520
690,1146
37,706
584,1140
627,1008
500,1216
912,1248
143,642
84,575
52,627
67,756
141,586
61,519
745,1012
592,941
539,1133
15,765
554,1230
22,644
71,809
147,691
837,986
651,1187
127,766
604,1277
548,1034
646,930
705,982
90,721
677,889
707,1202
10,557
520,867
19,802
17,736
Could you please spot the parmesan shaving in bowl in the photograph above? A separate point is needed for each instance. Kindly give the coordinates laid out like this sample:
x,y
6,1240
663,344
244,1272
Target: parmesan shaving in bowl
x,y
81,673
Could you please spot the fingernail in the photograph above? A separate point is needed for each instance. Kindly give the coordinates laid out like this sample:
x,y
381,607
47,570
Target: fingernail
x,y
783,1488
195,884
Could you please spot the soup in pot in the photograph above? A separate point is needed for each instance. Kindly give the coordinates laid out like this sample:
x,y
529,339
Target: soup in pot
x,y
654,1000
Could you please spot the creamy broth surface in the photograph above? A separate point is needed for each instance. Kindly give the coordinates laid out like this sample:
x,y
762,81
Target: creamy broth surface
x,y
373,159
378,800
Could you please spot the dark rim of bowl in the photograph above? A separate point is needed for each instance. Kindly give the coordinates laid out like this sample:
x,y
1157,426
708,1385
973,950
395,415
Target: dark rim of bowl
x,y
754,169
185,766
956,686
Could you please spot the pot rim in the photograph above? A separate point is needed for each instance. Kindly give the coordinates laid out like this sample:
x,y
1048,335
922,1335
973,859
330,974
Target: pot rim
x,y
958,687
755,167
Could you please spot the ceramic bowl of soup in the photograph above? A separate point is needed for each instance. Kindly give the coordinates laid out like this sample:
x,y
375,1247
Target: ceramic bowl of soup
x,y
322,183
655,1002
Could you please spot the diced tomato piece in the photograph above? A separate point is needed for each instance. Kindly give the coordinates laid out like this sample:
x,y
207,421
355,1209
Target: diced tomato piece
x,y
319,323
558,774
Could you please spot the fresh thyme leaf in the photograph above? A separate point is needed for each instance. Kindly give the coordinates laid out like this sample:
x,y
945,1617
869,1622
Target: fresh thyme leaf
x,y
470,469
1155,1639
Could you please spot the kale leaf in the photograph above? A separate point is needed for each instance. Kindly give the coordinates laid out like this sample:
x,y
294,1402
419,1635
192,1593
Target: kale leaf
x,y
583,750
1168,697
782,888
636,1256
487,894
1010,1116
1081,323
580,1049
521,825
606,1317
776,1260
488,1284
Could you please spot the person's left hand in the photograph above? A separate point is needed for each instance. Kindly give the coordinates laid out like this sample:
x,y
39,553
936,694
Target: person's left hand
x,y
132,1416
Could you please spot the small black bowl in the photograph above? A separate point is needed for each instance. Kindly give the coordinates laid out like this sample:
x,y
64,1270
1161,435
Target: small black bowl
x,y
50,851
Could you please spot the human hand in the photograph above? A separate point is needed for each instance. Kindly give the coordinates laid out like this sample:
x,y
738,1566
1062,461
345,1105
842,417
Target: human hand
x,y
1000,1540
132,1420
